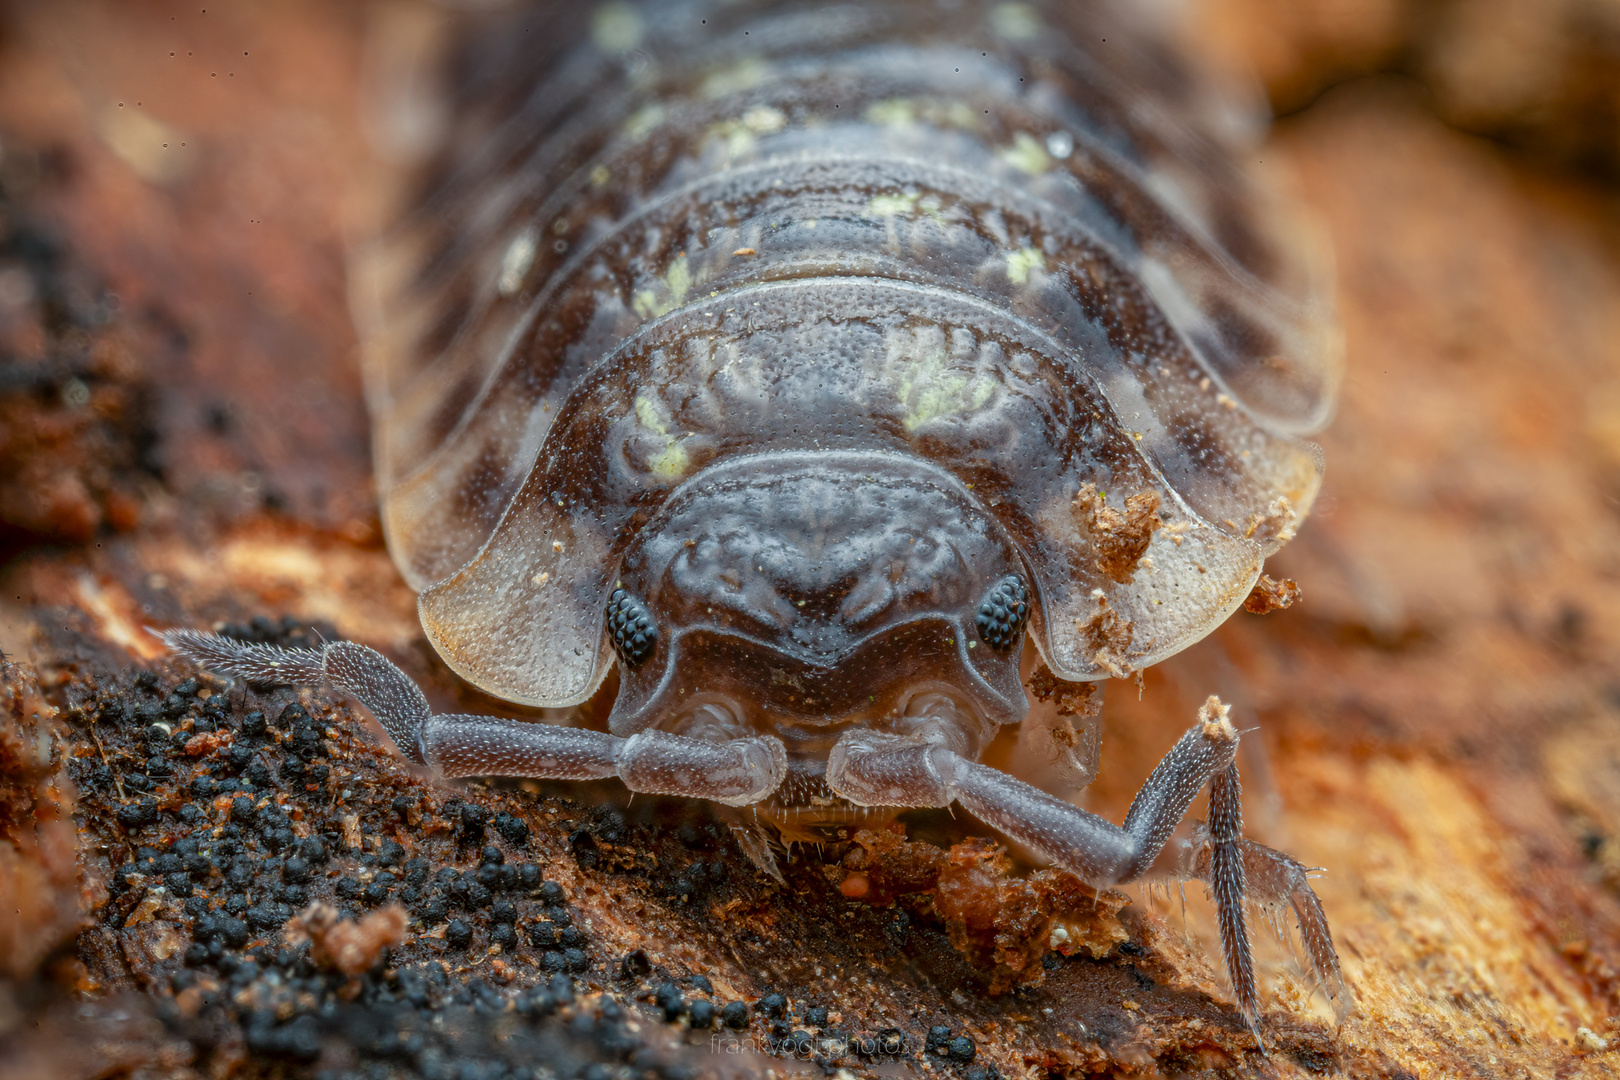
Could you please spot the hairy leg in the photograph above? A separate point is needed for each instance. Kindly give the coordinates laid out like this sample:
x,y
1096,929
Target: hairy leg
x,y
877,769
871,768
736,773
1228,883
363,674
1272,879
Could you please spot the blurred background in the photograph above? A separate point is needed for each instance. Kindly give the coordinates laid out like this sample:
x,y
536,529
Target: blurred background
x,y
182,438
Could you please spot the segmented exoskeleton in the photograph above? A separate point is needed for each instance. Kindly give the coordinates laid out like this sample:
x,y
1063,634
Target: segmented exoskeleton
x,y
805,360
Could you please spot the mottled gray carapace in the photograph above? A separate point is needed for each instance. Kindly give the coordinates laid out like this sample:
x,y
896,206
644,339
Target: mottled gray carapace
x,y
804,324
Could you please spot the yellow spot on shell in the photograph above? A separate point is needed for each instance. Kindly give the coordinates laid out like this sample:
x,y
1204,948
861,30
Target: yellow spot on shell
x,y
648,414
929,386
764,119
892,112
1026,154
1015,22
672,461
650,303
643,121
958,115
741,133
516,262
891,205
616,28
1021,262
679,279
743,75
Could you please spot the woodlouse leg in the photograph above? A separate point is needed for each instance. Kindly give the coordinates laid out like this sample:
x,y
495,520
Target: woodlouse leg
x,y
1270,879
1228,884
877,769
737,772
362,673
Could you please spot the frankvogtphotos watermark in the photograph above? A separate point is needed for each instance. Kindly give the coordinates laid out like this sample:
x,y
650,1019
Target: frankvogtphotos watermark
x,y
882,1045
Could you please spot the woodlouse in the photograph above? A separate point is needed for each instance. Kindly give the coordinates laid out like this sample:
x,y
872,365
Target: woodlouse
x,y
838,371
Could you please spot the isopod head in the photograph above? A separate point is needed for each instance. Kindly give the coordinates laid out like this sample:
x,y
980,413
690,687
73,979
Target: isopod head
x,y
799,592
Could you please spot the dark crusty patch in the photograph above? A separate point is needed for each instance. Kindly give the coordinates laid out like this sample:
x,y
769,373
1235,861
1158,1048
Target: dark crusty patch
x,y
1270,595
1071,698
1108,634
1000,921
1119,538
348,946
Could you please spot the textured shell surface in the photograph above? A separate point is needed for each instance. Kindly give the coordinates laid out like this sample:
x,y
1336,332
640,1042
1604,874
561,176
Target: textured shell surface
x,y
801,333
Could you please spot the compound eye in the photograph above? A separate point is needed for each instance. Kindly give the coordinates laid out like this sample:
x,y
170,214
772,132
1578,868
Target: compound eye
x,y
631,627
1004,612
